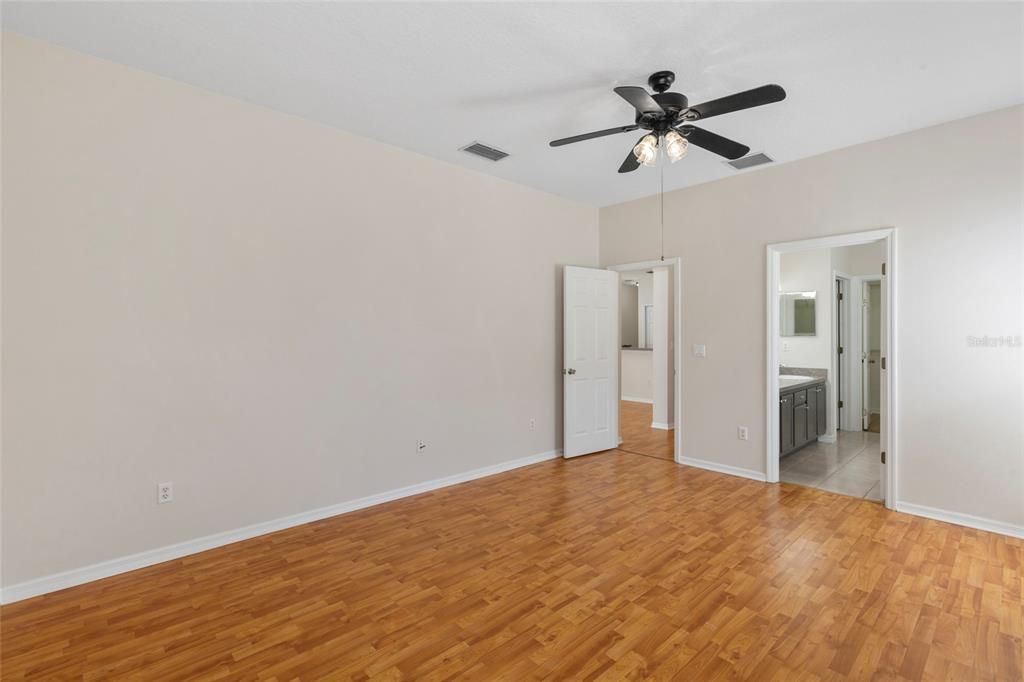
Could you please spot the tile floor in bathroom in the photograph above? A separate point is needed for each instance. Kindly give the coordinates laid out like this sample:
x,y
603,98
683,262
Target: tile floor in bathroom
x,y
849,466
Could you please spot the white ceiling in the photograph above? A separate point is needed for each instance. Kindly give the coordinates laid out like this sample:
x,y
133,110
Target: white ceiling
x,y
432,77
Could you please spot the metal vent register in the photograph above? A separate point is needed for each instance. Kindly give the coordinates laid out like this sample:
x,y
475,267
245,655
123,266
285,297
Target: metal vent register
x,y
488,152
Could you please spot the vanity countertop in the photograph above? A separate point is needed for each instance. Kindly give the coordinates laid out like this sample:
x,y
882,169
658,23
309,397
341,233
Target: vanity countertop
x,y
795,383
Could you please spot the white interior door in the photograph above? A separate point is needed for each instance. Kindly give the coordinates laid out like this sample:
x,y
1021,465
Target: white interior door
x,y
590,360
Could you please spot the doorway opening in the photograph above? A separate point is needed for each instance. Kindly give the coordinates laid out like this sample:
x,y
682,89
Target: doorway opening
x,y
825,326
646,397
649,320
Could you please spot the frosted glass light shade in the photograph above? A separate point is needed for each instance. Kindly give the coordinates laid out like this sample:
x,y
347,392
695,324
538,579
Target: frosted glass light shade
x,y
646,150
675,145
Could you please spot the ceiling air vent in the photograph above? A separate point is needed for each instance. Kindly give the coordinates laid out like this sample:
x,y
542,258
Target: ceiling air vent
x,y
750,161
485,151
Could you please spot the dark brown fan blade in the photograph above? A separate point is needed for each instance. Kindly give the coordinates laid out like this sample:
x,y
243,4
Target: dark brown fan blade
x,y
722,146
766,94
591,136
630,164
640,99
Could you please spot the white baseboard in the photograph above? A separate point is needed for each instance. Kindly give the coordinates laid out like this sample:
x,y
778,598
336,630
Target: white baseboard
x,y
105,569
631,399
663,427
826,439
959,519
723,468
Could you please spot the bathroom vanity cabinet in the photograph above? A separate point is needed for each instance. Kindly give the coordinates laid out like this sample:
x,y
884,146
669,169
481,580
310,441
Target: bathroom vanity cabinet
x,y
803,415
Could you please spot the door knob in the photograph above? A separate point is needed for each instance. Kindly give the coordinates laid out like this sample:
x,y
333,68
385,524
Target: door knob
x,y
568,371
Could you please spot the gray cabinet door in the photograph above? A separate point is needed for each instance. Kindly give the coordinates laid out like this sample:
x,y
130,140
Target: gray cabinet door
x,y
821,394
786,423
800,424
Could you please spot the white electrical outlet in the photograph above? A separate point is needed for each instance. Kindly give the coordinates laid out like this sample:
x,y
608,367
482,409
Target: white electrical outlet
x,y
420,446
165,492
533,423
699,350
742,433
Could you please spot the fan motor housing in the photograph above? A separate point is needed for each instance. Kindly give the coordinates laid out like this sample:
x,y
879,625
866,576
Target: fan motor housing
x,y
672,103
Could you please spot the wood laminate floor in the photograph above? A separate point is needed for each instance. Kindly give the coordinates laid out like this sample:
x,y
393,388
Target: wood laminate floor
x,y
638,436
610,566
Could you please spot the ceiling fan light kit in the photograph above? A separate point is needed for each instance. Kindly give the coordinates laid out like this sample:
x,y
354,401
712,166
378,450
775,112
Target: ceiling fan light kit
x,y
646,150
667,116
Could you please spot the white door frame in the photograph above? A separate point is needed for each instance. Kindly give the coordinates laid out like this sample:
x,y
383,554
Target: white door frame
x,y
889,439
677,358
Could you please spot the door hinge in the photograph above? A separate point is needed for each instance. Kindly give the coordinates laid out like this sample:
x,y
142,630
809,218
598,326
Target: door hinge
x,y
883,268
883,363
840,295
840,350
840,404
883,456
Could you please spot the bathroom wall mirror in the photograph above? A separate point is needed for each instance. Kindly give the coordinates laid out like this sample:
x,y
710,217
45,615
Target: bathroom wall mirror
x,y
798,313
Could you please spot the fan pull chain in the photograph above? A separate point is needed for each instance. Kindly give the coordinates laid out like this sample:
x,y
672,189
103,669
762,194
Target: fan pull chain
x,y
662,169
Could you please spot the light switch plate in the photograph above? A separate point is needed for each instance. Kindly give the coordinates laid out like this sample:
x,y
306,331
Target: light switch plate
x,y
699,350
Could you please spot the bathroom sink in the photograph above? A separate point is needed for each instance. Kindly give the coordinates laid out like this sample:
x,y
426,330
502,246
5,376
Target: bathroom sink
x,y
788,380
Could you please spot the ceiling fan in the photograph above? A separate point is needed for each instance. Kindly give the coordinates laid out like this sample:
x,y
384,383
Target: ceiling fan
x,y
668,117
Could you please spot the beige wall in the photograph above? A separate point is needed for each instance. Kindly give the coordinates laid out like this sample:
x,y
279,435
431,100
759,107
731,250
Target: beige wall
x,y
266,311
863,259
954,194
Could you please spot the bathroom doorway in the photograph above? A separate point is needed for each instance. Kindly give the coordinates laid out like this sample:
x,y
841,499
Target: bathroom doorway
x,y
820,342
